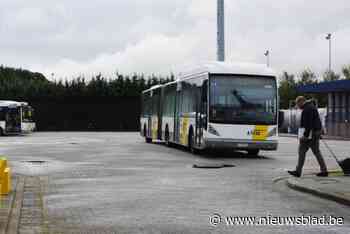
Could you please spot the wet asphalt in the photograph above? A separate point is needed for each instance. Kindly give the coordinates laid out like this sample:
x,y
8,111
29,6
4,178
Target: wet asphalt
x,y
116,183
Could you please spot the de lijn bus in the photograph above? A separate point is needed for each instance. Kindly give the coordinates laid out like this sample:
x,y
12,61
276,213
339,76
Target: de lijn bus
x,y
16,118
216,105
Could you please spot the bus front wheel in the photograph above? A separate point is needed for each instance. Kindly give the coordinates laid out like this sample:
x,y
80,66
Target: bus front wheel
x,y
1,132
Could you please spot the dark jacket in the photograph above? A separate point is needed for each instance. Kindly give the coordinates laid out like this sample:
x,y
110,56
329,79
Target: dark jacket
x,y
310,119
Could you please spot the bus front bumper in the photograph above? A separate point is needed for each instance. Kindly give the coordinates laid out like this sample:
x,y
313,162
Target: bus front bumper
x,y
241,144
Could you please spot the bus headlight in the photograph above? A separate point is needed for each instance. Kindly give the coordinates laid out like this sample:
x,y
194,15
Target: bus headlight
x,y
212,130
273,132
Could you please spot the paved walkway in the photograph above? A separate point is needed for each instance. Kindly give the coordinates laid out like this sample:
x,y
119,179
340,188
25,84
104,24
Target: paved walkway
x,y
336,187
7,203
22,210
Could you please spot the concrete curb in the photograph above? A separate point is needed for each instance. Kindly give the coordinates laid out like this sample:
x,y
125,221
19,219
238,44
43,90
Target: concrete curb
x,y
11,216
5,210
294,184
13,221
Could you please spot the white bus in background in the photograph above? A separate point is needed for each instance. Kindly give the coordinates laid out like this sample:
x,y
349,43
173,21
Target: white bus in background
x,y
216,105
16,118
290,120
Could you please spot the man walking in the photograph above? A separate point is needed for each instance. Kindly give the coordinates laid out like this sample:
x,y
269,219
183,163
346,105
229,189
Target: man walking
x,y
311,130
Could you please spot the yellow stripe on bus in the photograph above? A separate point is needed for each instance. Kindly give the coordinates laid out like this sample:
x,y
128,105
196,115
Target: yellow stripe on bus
x,y
154,128
184,131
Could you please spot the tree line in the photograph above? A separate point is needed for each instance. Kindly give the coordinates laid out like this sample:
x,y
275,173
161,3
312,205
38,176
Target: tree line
x,y
100,104
288,84
18,84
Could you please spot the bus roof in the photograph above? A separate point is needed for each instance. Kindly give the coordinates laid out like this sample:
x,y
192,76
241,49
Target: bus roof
x,y
221,68
227,68
4,103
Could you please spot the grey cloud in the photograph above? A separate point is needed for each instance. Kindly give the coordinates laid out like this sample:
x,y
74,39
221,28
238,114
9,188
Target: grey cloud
x,y
75,37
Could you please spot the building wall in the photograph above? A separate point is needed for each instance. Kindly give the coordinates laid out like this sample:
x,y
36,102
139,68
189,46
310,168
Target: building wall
x,y
338,117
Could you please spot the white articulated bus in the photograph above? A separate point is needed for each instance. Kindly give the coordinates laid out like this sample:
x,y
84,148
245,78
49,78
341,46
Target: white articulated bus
x,y
16,118
216,105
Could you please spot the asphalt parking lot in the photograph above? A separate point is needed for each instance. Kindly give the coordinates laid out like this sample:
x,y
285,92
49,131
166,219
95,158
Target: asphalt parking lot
x,y
116,183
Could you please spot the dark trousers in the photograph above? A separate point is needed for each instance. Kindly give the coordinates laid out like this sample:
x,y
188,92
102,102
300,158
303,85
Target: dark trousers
x,y
304,146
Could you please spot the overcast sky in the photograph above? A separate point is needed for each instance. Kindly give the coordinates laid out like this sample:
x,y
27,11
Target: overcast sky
x,y
70,38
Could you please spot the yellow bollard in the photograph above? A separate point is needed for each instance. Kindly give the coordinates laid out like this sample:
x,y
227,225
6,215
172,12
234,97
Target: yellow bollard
x,y
4,161
3,166
5,177
6,182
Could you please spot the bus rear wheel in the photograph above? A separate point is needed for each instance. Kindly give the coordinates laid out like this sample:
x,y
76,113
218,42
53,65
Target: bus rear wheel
x,y
253,152
167,137
191,143
1,132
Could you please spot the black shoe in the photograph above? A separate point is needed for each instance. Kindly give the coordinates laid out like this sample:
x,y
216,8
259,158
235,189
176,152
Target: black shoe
x,y
294,173
322,174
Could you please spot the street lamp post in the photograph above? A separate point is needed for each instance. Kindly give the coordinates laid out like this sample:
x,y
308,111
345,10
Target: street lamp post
x,y
267,55
329,38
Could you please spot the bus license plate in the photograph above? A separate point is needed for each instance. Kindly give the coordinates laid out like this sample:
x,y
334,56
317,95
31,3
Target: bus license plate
x,y
242,145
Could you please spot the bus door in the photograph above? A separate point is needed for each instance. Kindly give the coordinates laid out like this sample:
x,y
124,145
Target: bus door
x,y
203,109
159,114
149,124
198,117
2,113
151,115
177,117
148,113
13,120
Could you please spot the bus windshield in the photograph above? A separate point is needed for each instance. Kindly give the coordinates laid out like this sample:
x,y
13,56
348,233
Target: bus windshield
x,y
243,100
27,114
